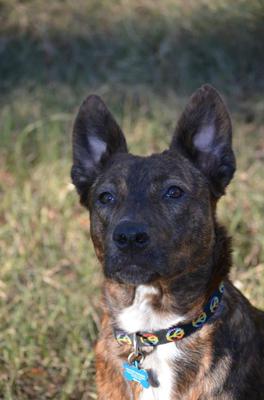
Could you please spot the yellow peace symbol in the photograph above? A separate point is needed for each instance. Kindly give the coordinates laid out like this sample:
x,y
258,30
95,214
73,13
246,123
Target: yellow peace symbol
x,y
124,339
200,320
175,334
214,303
221,287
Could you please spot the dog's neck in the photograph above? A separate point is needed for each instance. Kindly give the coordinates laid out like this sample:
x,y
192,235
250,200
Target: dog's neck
x,y
142,315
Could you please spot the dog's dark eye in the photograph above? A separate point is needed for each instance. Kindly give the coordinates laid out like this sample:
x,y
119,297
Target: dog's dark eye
x,y
174,192
106,197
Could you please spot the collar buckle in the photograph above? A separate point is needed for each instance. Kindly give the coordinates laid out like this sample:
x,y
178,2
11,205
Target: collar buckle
x,y
135,356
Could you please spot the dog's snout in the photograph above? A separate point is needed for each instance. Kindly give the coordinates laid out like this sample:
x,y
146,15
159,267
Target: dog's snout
x,y
129,235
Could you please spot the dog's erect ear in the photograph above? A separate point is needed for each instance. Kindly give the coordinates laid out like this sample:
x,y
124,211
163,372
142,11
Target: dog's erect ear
x,y
96,137
204,135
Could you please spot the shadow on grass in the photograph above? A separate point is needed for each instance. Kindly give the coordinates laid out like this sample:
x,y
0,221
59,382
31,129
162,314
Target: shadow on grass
x,y
223,46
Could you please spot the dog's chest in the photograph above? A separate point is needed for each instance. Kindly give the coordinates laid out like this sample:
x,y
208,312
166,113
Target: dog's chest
x,y
141,316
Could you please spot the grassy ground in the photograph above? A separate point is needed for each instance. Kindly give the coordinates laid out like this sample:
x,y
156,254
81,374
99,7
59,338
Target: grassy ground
x,y
144,58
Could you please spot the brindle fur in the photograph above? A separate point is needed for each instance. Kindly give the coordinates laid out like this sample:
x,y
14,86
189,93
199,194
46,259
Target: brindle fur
x,y
188,255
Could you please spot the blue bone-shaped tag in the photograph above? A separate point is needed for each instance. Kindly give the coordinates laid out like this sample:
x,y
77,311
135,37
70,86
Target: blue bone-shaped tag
x,y
133,373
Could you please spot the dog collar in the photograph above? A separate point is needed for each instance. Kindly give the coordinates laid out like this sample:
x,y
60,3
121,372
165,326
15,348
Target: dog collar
x,y
176,332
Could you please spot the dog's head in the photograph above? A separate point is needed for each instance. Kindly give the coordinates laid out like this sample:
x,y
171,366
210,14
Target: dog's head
x,y
153,217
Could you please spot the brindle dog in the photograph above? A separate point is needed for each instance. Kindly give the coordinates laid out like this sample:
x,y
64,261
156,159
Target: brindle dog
x,y
155,231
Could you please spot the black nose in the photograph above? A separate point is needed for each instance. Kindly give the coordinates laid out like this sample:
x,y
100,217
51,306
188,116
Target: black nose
x,y
128,235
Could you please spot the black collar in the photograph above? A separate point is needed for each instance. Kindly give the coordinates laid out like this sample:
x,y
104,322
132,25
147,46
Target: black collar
x,y
176,332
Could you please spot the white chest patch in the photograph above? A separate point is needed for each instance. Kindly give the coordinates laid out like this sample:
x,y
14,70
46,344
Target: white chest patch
x,y
141,316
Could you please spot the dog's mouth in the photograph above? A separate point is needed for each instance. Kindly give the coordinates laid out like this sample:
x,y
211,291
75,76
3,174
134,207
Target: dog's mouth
x,y
134,274
132,270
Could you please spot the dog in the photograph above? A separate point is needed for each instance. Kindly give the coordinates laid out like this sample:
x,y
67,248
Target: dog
x,y
173,324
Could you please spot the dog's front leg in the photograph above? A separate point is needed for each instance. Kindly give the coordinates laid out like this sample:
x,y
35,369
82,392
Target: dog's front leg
x,y
109,380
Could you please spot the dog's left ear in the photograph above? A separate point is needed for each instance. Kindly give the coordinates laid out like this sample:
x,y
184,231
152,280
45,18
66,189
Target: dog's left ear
x,y
96,138
204,135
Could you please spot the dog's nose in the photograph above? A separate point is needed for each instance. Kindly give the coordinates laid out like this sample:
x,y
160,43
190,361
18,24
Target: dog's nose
x,y
129,235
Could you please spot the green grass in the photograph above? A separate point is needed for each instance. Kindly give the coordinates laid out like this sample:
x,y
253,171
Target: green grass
x,y
144,58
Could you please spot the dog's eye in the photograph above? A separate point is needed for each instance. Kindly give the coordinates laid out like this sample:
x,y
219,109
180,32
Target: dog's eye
x,y
106,197
174,192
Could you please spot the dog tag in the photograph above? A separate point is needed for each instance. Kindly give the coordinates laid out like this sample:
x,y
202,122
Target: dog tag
x,y
135,374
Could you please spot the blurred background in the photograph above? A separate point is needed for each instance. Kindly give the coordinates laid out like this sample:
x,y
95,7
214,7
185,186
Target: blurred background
x,y
144,57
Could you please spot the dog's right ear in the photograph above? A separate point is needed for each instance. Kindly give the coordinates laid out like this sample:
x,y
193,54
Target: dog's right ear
x,y
96,137
204,135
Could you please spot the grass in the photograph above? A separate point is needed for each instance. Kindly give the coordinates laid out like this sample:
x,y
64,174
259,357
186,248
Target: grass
x,y
144,58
